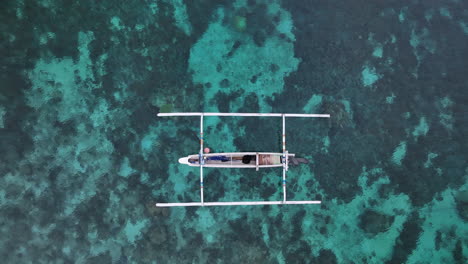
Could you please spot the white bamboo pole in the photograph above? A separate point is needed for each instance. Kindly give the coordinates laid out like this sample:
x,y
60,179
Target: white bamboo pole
x,y
243,114
307,115
284,135
201,161
284,159
201,184
236,203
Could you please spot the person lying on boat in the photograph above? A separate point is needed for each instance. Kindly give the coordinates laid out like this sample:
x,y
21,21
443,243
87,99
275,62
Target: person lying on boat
x,y
220,158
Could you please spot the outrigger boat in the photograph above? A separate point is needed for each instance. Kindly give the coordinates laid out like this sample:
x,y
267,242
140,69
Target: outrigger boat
x,y
251,160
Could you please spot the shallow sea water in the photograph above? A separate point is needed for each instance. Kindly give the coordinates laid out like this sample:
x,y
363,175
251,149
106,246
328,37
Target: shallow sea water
x,y
84,157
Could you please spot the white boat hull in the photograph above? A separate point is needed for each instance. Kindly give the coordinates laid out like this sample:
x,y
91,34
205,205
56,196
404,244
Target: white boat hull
x,y
234,160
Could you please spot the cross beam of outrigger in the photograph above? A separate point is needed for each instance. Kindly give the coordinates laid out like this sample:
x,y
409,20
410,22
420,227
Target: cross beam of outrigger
x,y
240,159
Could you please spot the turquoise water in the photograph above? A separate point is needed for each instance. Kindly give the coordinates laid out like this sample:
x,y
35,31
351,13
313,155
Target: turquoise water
x,y
84,158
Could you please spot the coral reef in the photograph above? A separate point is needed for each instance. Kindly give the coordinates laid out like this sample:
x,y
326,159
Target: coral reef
x,y
84,158
373,222
339,117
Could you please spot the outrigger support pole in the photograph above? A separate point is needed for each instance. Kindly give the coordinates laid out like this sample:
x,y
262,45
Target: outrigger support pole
x,y
236,203
201,159
285,155
243,114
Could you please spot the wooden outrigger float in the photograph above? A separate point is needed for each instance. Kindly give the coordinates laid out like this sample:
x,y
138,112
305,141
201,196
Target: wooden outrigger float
x,y
252,160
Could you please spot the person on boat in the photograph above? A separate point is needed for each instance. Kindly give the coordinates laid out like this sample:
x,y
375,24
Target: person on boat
x,y
220,158
246,159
